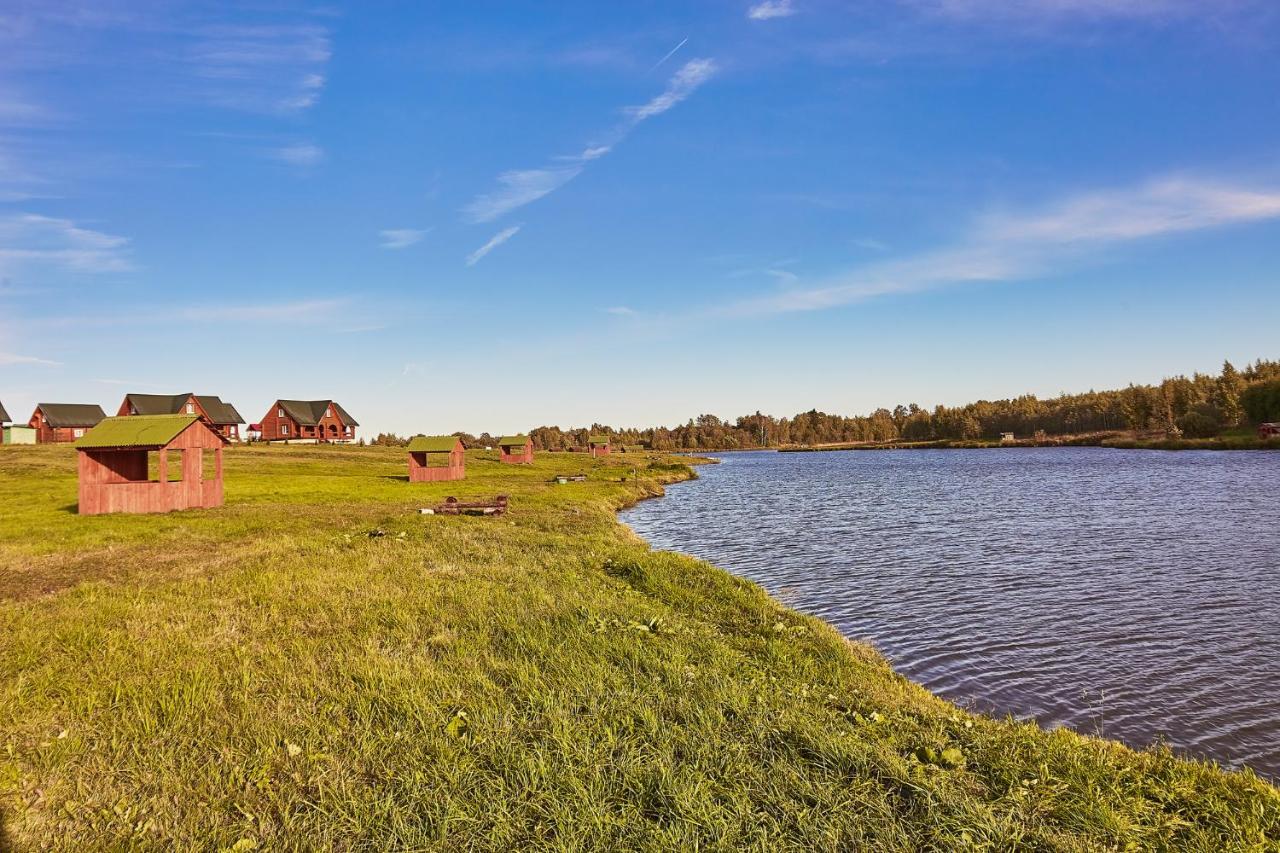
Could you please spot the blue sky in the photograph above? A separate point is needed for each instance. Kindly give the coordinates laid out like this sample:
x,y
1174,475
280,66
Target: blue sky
x,y
489,216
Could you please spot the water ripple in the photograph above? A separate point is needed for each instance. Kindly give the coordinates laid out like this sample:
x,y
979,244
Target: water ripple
x,y
1129,593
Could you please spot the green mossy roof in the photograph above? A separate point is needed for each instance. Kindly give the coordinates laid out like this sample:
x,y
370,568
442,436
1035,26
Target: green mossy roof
x,y
138,431
433,444
598,439
513,441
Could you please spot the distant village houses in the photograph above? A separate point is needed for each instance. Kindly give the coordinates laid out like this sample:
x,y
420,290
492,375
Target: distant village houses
x,y
1269,430
307,422
56,423
221,417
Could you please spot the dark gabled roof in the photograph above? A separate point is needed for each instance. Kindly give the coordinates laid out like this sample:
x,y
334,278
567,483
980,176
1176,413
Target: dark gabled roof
x,y
4,415
433,444
598,439
218,411
172,404
513,441
157,404
72,414
309,412
136,431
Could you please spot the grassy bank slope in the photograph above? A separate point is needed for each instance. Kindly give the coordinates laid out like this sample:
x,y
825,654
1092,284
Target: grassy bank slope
x,y
270,674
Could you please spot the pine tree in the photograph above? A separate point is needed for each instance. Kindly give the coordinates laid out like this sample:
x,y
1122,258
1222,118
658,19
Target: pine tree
x,y
1230,387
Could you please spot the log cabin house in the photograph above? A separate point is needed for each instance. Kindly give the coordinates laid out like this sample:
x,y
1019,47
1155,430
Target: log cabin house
x,y
435,458
115,465
308,422
64,422
221,417
516,449
598,445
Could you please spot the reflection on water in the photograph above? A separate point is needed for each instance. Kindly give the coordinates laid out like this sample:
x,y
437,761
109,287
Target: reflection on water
x,y
1134,594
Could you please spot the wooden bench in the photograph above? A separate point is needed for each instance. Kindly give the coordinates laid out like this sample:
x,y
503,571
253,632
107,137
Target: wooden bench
x,y
569,478
452,506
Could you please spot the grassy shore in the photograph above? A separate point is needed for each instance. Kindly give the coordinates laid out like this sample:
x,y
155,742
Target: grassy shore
x,y
317,665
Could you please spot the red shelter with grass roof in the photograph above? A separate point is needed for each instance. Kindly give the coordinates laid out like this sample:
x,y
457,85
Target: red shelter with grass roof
x,y
116,465
598,445
434,458
516,449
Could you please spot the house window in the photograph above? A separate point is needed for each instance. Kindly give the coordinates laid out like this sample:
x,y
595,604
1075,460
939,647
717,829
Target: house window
x,y
279,413
78,433
284,429
191,409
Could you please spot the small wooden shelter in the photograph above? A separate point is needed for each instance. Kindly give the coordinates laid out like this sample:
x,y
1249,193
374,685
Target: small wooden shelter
x,y
115,465
598,445
516,449
434,458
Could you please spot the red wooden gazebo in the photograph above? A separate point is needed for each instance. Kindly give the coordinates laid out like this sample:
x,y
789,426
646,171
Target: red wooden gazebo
x,y
115,465
434,458
516,449
598,445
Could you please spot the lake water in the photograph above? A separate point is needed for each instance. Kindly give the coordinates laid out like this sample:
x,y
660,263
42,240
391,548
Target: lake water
x,y
1134,594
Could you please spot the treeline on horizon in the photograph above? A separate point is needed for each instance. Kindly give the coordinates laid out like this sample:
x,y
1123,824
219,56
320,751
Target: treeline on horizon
x,y
1199,406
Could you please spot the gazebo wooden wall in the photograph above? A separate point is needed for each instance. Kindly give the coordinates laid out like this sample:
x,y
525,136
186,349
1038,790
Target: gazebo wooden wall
x,y
422,469
516,453
117,479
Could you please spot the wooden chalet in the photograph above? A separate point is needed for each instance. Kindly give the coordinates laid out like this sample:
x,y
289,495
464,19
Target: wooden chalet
x,y
308,422
516,449
434,458
115,465
64,422
598,445
221,417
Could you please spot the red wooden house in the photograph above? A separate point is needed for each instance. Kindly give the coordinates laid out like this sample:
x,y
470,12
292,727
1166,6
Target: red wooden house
x,y
308,422
1269,430
221,417
433,458
61,422
516,449
598,445
115,465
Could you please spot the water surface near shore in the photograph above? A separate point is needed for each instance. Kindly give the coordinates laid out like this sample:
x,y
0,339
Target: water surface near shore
x,y
1133,594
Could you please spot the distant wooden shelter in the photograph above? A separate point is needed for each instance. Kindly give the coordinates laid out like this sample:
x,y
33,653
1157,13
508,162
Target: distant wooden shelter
x,y
115,465
1269,430
598,445
435,458
1007,438
516,449
64,422
221,417
308,422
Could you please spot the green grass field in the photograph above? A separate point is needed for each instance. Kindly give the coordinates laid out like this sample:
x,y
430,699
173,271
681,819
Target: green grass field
x,y
268,675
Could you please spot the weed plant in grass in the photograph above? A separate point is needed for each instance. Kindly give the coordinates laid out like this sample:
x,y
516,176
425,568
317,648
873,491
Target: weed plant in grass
x,y
270,675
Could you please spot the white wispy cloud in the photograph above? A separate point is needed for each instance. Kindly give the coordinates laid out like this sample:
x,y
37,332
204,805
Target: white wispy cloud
x,y
771,9
519,187
620,311
303,311
683,83
302,154
402,238
30,238
1007,247
8,359
273,68
497,240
